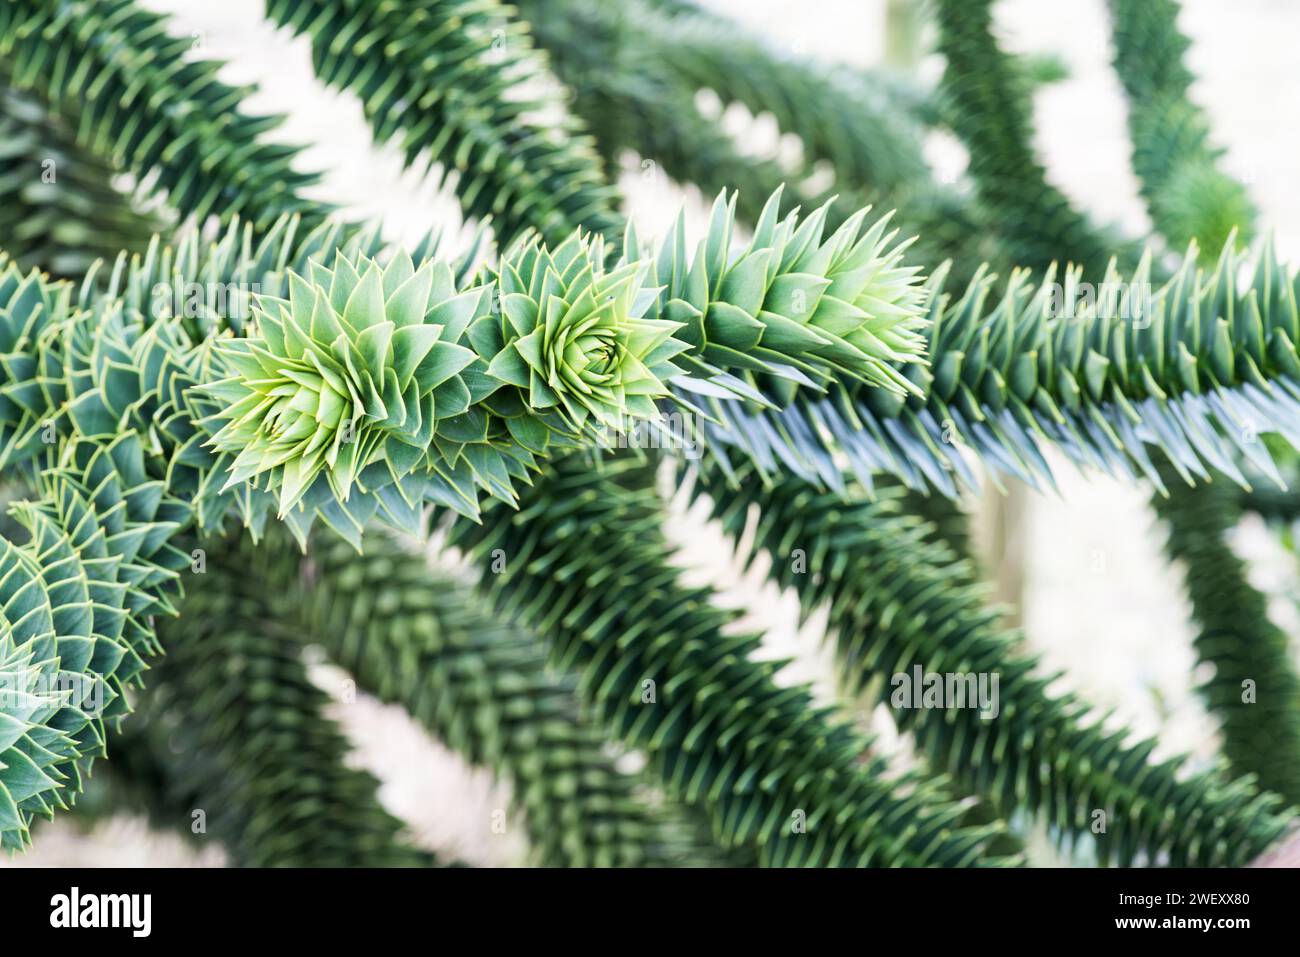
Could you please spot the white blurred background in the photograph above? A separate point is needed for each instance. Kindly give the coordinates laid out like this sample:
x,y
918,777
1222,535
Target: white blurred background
x,y
1099,601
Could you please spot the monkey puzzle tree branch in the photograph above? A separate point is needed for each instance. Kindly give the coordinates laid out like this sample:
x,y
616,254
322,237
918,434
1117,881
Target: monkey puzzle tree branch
x,y
901,601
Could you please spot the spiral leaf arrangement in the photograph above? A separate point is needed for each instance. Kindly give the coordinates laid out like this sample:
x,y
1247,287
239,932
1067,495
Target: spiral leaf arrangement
x,y
370,383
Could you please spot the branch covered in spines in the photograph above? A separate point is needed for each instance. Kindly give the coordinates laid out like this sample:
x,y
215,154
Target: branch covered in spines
x,y
842,116
234,719
803,437
359,326
586,565
1261,734
631,96
1205,358
83,590
986,103
59,207
916,441
392,379
1196,367
839,306
142,101
113,379
1110,384
1190,199
898,599
420,639
442,77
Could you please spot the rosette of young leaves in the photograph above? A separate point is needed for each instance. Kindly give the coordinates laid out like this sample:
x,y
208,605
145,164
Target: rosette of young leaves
x,y
117,360
344,375
332,392
795,304
576,339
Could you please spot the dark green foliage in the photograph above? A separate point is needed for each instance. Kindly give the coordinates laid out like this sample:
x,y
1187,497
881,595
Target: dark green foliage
x,y
87,383
898,600
111,404
585,563
238,731
59,209
478,683
1189,197
986,103
1261,724
434,76
625,65
1192,200
841,116
1196,366
140,100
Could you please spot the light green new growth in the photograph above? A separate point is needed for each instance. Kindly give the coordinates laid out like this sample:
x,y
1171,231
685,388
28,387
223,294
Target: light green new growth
x,y
343,375
576,339
368,384
368,391
842,305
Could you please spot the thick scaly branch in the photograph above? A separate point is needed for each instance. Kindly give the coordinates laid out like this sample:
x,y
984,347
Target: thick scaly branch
x,y
1189,197
59,208
1192,200
1192,369
986,103
368,391
1253,690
